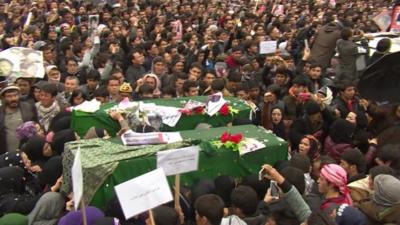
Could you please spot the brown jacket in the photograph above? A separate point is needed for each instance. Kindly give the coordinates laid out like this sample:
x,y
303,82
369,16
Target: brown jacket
x,y
380,215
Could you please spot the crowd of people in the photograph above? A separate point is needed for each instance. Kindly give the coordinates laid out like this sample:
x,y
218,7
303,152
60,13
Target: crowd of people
x,y
344,155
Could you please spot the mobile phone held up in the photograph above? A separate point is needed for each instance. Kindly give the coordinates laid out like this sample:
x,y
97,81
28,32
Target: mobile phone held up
x,y
274,189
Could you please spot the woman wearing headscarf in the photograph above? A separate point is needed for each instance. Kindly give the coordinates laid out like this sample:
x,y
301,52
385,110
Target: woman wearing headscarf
x,y
12,159
339,139
51,172
384,206
19,159
37,150
14,219
60,138
93,214
47,210
58,123
277,125
332,184
12,192
28,130
310,146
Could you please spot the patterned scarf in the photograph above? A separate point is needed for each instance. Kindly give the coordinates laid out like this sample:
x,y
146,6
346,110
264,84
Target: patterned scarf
x,y
45,115
337,176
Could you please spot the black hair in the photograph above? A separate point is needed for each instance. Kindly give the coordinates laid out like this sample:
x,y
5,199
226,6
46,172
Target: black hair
x,y
380,169
112,78
253,84
295,177
234,76
93,75
164,215
189,84
147,45
223,188
242,87
76,93
260,186
218,85
180,75
168,90
325,160
383,45
346,33
354,157
312,66
197,65
101,92
388,152
210,206
343,85
50,88
301,162
145,89
245,198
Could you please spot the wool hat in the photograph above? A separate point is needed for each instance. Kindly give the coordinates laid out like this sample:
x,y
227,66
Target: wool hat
x,y
8,88
346,214
387,192
327,93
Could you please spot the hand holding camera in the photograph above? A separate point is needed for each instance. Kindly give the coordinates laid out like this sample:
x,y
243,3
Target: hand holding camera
x,y
269,172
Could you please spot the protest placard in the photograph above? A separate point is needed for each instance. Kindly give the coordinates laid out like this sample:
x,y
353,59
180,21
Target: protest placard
x,y
143,193
21,62
77,179
177,161
267,47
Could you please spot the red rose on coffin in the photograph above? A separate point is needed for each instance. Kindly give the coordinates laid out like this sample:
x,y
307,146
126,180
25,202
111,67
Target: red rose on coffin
x,y
198,110
186,112
236,138
225,137
224,110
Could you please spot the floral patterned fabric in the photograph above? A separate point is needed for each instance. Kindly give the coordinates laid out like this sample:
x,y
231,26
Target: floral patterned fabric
x,y
100,158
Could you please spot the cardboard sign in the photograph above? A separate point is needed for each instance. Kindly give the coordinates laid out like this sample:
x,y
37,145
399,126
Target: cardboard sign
x,y
21,62
177,161
93,22
77,179
143,193
395,24
383,20
267,47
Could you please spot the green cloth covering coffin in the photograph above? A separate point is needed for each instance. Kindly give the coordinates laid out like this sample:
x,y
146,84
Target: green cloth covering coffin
x,y
108,163
82,121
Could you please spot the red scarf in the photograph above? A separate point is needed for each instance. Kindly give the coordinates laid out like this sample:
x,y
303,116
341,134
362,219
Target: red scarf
x,y
350,105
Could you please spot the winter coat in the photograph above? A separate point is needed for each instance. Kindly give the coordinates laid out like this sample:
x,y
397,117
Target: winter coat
x,y
346,68
323,48
333,149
